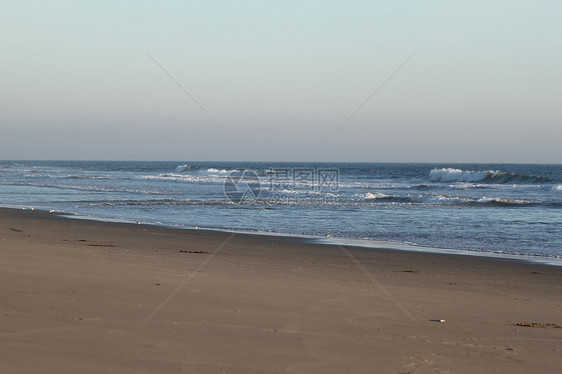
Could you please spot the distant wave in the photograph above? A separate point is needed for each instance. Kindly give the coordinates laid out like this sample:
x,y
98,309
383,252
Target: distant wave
x,y
87,177
175,177
376,196
384,198
380,199
412,199
208,175
439,199
213,170
182,168
489,176
91,188
501,202
153,202
202,170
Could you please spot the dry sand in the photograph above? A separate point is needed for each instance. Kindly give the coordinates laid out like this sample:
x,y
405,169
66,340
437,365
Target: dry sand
x,y
92,297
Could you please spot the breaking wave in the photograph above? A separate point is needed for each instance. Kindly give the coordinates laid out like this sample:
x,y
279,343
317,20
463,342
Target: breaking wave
x,y
488,176
182,168
189,168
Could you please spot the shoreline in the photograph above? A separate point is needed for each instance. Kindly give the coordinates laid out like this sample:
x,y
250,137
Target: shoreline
x,y
91,296
333,241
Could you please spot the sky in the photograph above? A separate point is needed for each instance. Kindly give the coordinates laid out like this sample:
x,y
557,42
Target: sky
x,y
403,81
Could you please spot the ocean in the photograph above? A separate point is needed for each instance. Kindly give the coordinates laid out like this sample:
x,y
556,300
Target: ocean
x,y
492,209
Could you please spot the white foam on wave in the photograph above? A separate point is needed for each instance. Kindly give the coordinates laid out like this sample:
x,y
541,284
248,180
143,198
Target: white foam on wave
x,y
184,177
217,171
435,199
458,175
188,168
181,168
409,199
441,199
375,196
499,200
557,188
468,185
88,177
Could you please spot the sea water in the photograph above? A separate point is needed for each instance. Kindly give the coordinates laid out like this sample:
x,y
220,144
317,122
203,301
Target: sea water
x,y
511,209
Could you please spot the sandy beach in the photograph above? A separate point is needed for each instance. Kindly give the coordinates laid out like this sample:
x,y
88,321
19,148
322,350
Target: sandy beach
x,y
80,296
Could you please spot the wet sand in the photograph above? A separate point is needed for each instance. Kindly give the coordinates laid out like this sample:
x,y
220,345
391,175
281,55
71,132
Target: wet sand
x,y
90,297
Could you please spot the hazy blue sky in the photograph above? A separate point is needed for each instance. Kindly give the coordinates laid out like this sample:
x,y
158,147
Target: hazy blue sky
x,y
485,84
